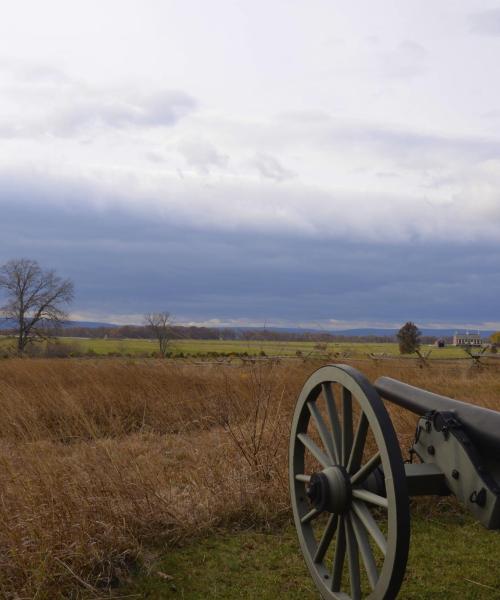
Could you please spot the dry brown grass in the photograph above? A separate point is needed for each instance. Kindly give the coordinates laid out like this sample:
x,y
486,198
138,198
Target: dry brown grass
x,y
102,461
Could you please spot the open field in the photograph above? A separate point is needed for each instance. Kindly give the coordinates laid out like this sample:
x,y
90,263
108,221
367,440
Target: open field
x,y
110,465
194,348
253,348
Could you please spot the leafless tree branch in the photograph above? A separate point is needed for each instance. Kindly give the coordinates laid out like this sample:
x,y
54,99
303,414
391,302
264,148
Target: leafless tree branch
x,y
160,324
34,299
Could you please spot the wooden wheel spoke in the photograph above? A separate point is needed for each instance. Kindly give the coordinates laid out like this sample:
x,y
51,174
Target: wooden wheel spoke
x,y
334,420
326,538
366,518
365,550
353,560
311,515
371,498
346,425
324,434
341,429
366,469
358,445
318,454
339,556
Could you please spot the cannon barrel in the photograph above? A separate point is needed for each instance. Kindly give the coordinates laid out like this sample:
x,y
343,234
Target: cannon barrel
x,y
482,424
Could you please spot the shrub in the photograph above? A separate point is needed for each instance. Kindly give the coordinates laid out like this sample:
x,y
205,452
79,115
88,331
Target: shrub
x,y
409,338
58,349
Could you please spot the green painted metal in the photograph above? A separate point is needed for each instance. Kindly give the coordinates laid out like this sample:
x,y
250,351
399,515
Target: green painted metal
x,y
482,424
459,448
426,479
460,439
466,474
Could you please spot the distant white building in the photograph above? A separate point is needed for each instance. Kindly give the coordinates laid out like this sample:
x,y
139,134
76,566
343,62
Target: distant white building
x,y
467,339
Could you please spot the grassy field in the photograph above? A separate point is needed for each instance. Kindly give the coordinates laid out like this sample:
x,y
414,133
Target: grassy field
x,y
194,348
451,557
201,347
113,470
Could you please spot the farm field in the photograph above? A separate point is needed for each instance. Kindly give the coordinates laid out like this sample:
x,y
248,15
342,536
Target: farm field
x,y
114,470
187,347
253,348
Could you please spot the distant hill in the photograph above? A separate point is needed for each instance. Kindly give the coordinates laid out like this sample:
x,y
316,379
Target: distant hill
x,y
367,331
90,324
393,332
350,333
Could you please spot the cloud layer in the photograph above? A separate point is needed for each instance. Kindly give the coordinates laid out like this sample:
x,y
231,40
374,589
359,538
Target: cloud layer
x,y
341,165
129,260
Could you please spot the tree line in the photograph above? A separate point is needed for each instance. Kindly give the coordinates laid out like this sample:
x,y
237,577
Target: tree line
x,y
194,332
35,299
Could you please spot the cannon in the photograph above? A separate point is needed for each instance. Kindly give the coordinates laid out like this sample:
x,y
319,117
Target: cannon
x,y
350,487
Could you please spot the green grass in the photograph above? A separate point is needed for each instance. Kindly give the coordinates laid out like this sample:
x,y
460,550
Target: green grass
x,y
198,347
451,557
134,347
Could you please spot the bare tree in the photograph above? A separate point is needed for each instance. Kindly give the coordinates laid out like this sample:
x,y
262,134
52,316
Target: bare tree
x,y
33,299
160,325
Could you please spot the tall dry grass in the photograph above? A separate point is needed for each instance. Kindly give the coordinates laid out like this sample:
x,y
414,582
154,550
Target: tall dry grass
x,y
103,461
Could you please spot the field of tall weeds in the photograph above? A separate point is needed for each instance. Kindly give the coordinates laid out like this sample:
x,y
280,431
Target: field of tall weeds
x,y
104,462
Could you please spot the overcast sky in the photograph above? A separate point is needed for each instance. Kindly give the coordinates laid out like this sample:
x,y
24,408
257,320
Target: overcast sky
x,y
310,162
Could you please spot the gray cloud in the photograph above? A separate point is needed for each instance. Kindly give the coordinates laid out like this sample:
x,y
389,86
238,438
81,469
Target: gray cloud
x,y
394,142
163,108
128,261
33,71
486,22
202,155
59,105
155,157
227,204
407,148
270,167
406,61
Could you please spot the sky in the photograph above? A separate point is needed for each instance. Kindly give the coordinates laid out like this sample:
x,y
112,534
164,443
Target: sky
x,y
289,163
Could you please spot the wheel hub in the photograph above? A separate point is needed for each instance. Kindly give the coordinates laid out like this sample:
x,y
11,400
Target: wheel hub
x,y
330,490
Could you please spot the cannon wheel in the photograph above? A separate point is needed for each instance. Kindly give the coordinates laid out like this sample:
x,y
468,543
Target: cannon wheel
x,y
352,513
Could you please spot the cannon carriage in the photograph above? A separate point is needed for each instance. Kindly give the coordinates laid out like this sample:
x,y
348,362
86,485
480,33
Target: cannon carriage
x,y
350,487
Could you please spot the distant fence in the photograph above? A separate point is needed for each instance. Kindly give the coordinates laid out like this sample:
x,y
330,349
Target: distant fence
x,y
421,360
